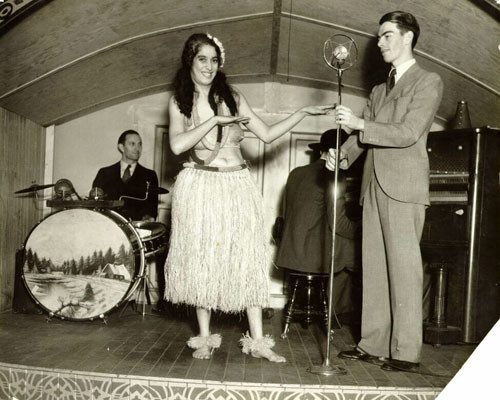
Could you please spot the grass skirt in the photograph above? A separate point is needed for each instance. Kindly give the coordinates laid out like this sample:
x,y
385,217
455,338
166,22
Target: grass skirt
x,y
218,256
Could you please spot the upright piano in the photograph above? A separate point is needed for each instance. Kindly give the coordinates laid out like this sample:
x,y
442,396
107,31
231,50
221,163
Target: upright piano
x,y
461,238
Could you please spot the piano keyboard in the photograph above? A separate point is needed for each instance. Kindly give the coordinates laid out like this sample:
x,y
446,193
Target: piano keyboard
x,y
449,187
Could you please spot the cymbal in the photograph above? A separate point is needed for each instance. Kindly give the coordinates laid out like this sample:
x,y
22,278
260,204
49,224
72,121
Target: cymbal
x,y
158,189
152,189
34,188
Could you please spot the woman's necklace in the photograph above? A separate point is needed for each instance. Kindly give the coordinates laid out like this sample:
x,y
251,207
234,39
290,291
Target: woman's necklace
x,y
218,144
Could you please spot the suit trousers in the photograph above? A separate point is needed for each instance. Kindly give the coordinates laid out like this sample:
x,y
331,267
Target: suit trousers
x,y
392,276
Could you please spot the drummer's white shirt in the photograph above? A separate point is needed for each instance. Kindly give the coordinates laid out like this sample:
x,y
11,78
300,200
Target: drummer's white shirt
x,y
123,167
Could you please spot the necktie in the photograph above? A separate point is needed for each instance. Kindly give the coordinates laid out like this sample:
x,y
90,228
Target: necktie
x,y
391,80
126,175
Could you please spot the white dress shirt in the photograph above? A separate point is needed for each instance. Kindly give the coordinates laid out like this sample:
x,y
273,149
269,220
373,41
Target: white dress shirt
x,y
123,167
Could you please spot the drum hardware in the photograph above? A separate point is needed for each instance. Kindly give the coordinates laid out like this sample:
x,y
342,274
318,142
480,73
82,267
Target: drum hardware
x,y
154,240
153,236
65,189
96,193
148,188
81,264
158,189
137,198
34,188
92,204
142,290
53,314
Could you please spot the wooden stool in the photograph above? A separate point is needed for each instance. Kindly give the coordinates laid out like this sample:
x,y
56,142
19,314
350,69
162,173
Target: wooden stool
x,y
308,283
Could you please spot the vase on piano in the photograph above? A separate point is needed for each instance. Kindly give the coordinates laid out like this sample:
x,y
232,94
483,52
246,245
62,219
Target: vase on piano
x,y
462,117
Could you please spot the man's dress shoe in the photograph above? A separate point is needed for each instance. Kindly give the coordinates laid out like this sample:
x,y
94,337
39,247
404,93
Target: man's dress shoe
x,y
397,365
361,356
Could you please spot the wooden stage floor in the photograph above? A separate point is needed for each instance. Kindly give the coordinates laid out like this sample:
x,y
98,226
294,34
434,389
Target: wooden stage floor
x,y
145,357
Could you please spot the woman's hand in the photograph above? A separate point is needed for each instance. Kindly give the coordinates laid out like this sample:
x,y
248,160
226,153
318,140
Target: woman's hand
x,y
318,110
225,120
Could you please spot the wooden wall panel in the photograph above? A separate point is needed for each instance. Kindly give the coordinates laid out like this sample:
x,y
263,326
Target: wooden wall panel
x,y
136,68
70,58
22,147
62,31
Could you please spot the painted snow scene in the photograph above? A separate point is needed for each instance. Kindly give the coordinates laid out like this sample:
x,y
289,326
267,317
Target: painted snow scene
x,y
79,263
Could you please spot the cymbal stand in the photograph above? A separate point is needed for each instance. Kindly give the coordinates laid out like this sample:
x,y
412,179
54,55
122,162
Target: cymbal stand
x,y
143,289
141,292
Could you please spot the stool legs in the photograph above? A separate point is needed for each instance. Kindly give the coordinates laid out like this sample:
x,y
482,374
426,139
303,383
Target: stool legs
x,y
308,301
289,309
308,309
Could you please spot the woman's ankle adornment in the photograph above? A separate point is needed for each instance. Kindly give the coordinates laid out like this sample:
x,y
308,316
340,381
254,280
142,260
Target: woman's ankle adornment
x,y
204,346
260,348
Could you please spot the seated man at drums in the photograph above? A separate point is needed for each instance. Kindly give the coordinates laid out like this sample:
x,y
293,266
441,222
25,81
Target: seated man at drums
x,y
129,178
306,241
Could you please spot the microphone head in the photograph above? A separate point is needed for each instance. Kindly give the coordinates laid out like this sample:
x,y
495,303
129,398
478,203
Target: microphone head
x,y
340,52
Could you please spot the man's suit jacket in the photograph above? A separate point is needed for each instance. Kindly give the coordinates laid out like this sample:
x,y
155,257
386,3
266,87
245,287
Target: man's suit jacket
x,y
109,180
306,242
395,134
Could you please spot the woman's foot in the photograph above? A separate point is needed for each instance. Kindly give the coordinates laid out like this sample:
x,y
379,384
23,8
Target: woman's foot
x,y
204,345
261,348
203,353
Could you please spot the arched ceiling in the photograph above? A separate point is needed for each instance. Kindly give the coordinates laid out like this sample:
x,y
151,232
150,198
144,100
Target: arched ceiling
x,y
71,57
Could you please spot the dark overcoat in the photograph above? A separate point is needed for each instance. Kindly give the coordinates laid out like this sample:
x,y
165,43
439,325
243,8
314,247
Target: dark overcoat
x,y
306,241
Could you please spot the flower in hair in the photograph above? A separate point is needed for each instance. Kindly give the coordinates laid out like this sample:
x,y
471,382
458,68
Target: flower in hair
x,y
221,48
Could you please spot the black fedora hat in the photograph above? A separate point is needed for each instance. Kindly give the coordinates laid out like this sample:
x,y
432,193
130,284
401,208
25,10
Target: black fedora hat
x,y
329,140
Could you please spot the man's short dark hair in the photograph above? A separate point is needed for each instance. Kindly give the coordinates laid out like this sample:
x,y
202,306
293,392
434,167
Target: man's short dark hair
x,y
123,136
405,21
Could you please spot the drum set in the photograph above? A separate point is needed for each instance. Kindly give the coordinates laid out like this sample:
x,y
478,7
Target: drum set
x,y
86,260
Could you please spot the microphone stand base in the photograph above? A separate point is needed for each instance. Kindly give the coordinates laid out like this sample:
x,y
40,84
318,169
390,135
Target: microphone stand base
x,y
326,370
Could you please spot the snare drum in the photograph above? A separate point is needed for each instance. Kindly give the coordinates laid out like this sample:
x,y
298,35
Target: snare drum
x,y
81,264
153,236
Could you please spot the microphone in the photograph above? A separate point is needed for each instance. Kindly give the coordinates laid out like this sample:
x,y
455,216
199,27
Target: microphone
x,y
340,52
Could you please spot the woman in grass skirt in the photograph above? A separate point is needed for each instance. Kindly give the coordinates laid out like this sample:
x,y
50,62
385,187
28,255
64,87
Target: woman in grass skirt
x,y
218,257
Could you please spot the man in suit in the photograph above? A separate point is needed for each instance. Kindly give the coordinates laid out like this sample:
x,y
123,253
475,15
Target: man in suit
x,y
394,195
128,178
306,242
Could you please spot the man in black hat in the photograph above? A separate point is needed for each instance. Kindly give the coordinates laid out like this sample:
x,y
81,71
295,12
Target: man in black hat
x,y
306,243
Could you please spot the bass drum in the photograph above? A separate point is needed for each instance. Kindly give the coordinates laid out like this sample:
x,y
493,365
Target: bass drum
x,y
80,264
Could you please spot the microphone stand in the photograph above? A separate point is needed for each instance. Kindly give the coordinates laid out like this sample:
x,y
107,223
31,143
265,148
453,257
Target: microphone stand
x,y
326,368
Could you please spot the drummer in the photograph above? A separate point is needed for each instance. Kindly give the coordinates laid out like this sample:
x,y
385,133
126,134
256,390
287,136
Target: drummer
x,y
129,178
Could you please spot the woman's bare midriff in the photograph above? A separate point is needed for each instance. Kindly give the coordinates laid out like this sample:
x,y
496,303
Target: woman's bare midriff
x,y
227,157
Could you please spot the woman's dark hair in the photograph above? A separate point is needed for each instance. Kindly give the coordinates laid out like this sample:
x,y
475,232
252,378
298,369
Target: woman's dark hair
x,y
184,86
405,22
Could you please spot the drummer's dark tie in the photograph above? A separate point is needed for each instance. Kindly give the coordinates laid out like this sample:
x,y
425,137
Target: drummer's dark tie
x,y
391,81
126,175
